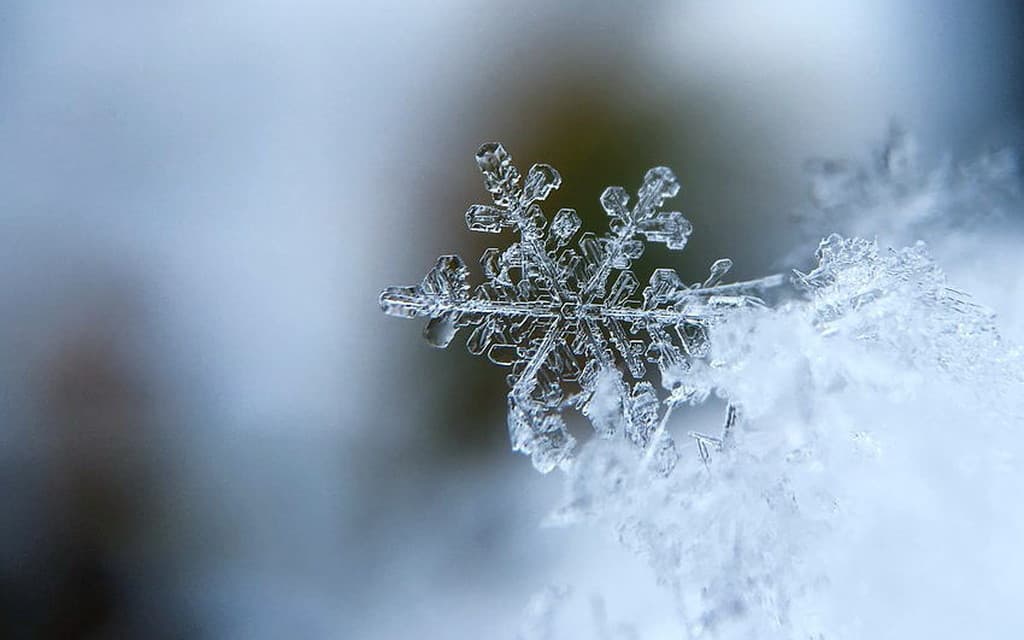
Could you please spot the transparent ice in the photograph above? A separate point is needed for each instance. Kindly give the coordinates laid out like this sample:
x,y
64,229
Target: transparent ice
x,y
570,319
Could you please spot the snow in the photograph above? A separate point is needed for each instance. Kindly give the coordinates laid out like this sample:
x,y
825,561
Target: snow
x,y
867,483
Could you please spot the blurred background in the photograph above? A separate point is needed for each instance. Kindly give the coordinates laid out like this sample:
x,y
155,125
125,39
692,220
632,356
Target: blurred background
x,y
208,427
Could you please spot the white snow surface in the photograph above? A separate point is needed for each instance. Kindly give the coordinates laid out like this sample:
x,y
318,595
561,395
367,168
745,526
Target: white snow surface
x,y
871,488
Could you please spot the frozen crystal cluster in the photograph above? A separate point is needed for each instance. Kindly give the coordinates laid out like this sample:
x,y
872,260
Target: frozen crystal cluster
x,y
868,491
882,412
566,314
901,299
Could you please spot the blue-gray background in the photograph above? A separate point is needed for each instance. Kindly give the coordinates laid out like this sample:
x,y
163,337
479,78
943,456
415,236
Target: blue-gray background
x,y
210,430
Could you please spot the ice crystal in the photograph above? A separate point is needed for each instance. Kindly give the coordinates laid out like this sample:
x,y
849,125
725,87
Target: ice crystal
x,y
878,402
566,316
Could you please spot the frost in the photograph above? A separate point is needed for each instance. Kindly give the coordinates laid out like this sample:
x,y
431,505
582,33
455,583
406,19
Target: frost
x,y
570,319
900,299
865,481
880,417
899,197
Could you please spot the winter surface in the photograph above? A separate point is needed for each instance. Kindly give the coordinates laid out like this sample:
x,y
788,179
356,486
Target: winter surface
x,y
869,488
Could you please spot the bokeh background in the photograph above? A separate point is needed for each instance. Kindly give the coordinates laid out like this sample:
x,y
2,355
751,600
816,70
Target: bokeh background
x,y
208,427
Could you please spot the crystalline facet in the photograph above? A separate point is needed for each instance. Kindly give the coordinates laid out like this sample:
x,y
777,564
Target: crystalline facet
x,y
482,217
718,271
565,225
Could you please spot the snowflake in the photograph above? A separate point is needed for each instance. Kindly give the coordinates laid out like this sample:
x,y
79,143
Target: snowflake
x,y
565,317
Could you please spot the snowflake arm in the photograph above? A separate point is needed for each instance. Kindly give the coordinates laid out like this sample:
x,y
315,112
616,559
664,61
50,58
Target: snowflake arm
x,y
545,310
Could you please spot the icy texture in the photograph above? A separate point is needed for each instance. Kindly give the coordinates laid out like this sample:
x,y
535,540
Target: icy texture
x,y
870,489
570,319
879,450
901,300
900,198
